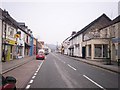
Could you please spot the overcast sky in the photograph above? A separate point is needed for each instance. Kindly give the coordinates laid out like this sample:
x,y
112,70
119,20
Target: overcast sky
x,y
53,21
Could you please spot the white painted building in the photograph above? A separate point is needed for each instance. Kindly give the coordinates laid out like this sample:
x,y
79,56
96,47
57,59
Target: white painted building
x,y
66,44
76,45
21,44
0,34
79,45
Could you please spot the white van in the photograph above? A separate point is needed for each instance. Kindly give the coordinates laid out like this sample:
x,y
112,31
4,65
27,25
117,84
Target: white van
x,y
41,51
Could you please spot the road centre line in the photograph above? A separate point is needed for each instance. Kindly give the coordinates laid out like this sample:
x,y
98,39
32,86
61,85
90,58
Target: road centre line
x,y
33,77
71,67
28,86
35,74
31,81
94,82
36,71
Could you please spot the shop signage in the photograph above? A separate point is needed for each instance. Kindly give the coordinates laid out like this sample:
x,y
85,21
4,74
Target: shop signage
x,y
116,40
12,42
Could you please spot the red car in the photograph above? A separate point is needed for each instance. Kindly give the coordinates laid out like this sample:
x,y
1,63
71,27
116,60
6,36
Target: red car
x,y
40,56
8,83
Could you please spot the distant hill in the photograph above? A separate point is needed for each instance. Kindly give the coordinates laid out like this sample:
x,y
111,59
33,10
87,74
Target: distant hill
x,y
51,46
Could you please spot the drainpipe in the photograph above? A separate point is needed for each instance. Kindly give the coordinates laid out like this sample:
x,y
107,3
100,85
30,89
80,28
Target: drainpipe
x,y
5,45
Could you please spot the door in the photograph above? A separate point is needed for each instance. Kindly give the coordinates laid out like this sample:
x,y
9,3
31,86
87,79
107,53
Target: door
x,y
11,52
83,52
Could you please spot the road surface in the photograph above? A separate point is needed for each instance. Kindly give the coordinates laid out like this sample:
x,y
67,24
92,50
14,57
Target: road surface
x,y
60,71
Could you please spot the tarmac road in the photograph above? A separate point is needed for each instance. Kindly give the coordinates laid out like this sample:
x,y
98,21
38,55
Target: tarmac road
x,y
59,71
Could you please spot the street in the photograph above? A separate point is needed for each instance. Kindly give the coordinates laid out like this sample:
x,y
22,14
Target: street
x,y
78,44
60,71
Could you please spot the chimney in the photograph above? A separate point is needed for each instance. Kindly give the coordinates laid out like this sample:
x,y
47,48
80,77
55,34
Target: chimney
x,y
73,33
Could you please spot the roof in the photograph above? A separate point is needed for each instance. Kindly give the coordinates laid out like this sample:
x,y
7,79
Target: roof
x,y
67,38
114,21
19,25
89,25
7,16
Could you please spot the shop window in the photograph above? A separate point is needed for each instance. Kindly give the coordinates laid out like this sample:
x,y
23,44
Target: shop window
x,y
98,51
101,50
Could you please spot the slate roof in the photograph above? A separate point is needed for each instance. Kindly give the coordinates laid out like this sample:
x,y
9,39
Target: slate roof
x,y
89,25
114,21
6,16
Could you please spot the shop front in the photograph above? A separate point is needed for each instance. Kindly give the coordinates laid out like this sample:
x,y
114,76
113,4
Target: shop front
x,y
97,49
8,50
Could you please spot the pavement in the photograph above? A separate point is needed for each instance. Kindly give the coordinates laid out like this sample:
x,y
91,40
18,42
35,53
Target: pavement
x,y
10,65
7,66
113,67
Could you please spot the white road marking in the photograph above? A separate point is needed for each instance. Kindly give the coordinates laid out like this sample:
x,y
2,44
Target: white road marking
x,y
33,77
36,71
35,74
94,82
71,67
31,81
28,86
40,66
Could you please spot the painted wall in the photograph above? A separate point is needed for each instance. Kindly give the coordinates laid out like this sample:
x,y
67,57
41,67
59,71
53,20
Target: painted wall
x,y
32,46
0,35
21,42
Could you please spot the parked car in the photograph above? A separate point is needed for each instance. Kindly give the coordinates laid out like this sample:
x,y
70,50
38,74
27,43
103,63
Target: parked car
x,y
7,83
40,55
46,51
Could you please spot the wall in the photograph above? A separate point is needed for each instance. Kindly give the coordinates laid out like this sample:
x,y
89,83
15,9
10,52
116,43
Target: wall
x,y
21,42
0,35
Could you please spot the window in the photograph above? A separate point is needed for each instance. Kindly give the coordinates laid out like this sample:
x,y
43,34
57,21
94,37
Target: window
x,y
105,52
4,27
98,49
105,33
101,50
113,31
89,50
11,31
